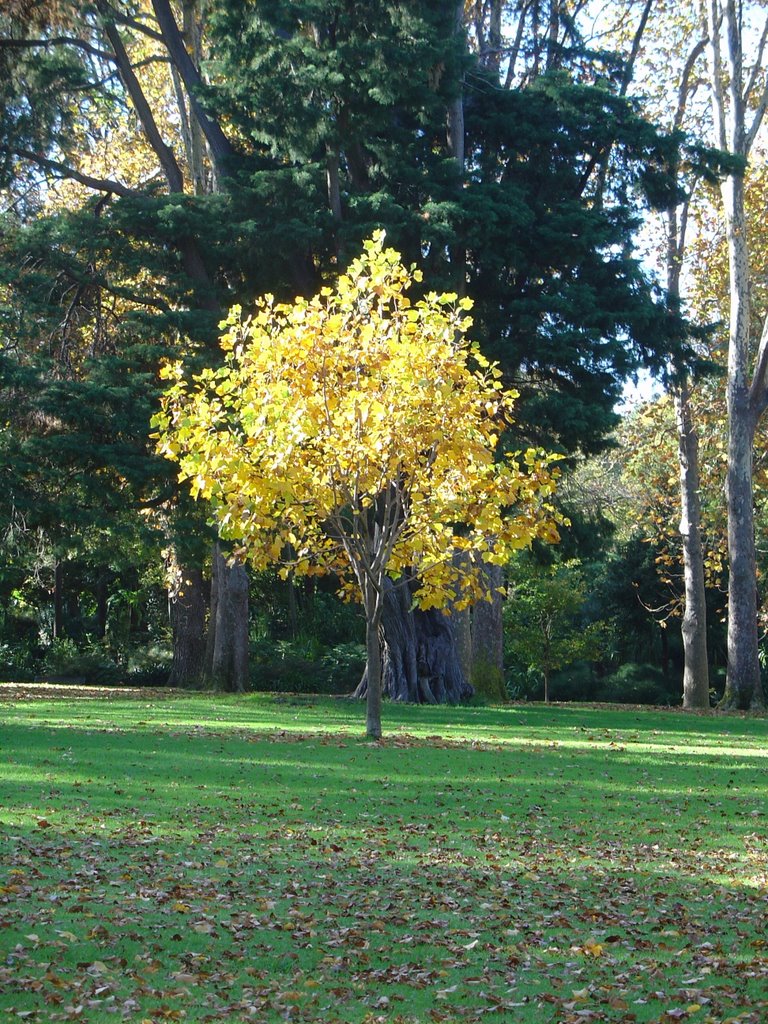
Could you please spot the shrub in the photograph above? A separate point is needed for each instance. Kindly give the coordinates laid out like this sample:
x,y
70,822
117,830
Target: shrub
x,y
635,683
16,663
343,667
90,664
287,667
577,682
524,683
489,684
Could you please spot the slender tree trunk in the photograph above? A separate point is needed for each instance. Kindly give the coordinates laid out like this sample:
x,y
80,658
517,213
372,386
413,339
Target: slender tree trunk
x,y
196,145
730,102
187,610
694,625
332,182
461,626
488,638
373,662
743,687
58,600
101,605
229,669
213,611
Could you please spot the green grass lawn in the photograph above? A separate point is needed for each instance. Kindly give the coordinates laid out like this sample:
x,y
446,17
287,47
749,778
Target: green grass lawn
x,y
199,858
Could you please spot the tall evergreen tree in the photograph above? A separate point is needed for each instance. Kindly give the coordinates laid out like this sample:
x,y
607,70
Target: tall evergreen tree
x,y
320,120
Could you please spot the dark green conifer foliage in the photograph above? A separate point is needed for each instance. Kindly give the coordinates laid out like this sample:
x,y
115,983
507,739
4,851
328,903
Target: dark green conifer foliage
x,y
337,115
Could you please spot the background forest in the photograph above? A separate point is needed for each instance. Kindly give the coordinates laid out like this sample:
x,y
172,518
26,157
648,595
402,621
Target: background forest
x,y
564,167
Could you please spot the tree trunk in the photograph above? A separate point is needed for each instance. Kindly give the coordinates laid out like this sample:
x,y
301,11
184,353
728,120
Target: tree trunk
x,y
694,625
743,687
419,657
373,662
58,600
187,610
213,611
194,135
730,102
461,625
229,668
488,638
102,606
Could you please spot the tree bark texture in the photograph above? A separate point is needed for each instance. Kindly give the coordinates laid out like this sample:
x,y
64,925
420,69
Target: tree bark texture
x,y
373,664
730,102
694,625
419,654
488,638
743,686
187,610
229,659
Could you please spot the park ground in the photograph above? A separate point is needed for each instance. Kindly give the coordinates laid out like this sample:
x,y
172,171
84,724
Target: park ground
x,y
176,857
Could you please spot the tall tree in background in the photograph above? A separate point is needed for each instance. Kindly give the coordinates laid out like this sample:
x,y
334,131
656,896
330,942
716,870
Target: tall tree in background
x,y
694,617
126,266
738,109
518,181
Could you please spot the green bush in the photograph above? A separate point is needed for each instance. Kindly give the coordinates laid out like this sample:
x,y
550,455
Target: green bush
x,y
343,667
90,664
635,683
16,663
147,665
286,667
524,683
575,683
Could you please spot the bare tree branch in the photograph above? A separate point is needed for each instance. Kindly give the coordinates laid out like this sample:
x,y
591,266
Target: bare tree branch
x,y
124,19
758,391
20,44
220,146
758,66
714,18
63,170
629,67
165,155
684,88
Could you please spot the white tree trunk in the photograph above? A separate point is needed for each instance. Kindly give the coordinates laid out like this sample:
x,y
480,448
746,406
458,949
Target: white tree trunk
x,y
730,102
694,625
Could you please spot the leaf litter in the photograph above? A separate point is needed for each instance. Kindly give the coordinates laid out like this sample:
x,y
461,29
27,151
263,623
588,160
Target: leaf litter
x,y
197,875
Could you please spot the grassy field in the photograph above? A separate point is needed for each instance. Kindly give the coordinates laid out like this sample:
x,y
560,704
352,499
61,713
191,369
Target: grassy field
x,y
196,858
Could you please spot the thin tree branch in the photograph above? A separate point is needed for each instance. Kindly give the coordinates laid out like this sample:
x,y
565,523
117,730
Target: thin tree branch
x,y
684,88
758,391
64,171
735,69
758,66
759,114
18,44
629,67
165,155
715,60
124,19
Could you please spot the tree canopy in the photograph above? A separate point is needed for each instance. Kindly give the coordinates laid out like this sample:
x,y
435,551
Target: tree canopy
x,y
349,433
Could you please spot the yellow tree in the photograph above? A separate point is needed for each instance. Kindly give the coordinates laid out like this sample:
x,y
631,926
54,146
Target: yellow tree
x,y
355,433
